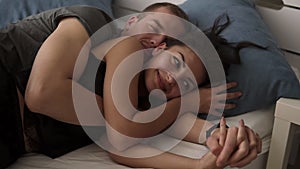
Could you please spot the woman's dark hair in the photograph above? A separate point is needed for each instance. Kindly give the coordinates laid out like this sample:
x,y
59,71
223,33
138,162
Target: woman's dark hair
x,y
228,51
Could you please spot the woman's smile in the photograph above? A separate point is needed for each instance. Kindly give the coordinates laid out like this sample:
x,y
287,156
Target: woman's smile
x,y
160,81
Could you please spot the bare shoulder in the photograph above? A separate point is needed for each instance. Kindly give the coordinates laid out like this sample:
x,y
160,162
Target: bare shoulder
x,y
72,28
127,44
124,47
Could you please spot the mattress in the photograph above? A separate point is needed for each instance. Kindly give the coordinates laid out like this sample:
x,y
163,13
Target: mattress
x,y
94,157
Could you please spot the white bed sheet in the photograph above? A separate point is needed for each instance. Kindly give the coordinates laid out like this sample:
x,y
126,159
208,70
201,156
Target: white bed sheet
x,y
93,157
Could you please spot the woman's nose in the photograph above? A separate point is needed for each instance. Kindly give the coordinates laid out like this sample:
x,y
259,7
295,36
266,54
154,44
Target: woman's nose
x,y
170,79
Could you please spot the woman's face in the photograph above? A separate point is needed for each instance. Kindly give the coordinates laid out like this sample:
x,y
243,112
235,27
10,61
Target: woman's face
x,y
174,70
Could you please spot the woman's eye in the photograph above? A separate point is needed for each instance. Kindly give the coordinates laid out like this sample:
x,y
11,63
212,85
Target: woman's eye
x,y
176,61
186,85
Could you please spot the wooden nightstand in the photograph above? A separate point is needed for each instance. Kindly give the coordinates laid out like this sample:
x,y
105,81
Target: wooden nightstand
x,y
287,113
286,123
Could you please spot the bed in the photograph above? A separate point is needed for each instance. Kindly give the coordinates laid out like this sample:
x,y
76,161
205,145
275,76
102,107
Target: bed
x,y
92,156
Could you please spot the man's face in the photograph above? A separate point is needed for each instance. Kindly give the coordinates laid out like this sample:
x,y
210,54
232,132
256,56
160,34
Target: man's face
x,y
151,28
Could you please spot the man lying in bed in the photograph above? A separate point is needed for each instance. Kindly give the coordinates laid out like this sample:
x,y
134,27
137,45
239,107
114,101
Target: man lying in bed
x,y
20,46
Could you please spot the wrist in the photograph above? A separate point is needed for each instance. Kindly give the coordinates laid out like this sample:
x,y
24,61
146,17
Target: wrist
x,y
211,129
202,136
208,161
197,163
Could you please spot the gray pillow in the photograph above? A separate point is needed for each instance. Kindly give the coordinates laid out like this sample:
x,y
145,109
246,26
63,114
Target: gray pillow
x,y
263,76
14,10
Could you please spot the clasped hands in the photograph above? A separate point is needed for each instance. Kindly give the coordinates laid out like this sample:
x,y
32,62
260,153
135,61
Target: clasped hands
x,y
234,146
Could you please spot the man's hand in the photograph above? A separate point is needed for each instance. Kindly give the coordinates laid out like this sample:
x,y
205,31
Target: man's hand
x,y
234,146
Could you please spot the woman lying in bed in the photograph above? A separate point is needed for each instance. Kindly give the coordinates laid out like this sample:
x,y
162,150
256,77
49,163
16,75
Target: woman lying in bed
x,y
169,72
49,90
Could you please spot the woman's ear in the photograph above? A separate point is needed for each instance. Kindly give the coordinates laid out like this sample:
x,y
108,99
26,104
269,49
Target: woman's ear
x,y
130,21
162,45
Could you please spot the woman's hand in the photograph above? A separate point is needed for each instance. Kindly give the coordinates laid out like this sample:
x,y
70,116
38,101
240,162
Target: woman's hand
x,y
234,146
249,145
219,99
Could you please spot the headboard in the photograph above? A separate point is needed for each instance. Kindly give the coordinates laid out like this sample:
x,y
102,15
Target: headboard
x,y
282,18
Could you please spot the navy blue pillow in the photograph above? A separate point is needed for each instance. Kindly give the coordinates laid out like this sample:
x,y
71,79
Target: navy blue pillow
x,y
263,75
14,10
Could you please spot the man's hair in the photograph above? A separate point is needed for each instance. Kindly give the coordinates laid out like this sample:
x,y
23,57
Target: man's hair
x,y
174,9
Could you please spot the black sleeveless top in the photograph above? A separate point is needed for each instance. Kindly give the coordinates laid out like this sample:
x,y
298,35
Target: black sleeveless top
x,y
19,45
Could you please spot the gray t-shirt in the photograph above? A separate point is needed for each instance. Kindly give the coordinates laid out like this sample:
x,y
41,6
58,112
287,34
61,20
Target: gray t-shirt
x,y
19,44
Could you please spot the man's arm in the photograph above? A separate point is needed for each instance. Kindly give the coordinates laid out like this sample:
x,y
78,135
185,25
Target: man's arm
x,y
49,89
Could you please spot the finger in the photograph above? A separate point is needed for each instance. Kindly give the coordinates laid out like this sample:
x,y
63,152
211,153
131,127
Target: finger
x,y
222,131
229,147
233,95
224,87
252,138
240,153
259,143
247,160
231,85
221,97
213,144
241,132
221,88
230,106
242,143
222,106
